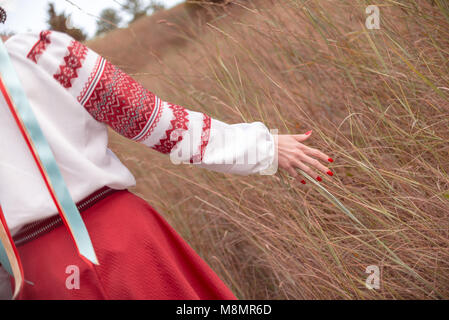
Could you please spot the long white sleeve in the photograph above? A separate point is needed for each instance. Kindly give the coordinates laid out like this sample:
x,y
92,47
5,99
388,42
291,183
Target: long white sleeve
x,y
243,148
114,98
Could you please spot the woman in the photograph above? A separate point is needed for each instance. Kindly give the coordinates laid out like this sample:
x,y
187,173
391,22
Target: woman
x,y
75,94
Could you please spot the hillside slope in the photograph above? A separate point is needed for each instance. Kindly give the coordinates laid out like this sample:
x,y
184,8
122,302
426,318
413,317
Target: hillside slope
x,y
132,47
153,36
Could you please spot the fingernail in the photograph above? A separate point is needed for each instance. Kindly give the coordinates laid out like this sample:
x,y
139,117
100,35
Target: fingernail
x,y
303,182
319,178
330,173
308,132
330,160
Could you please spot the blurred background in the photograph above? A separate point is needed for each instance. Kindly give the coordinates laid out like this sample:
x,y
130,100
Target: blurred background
x,y
82,15
377,100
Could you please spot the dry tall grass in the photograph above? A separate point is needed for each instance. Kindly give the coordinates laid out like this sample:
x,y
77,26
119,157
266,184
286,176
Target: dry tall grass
x,y
377,101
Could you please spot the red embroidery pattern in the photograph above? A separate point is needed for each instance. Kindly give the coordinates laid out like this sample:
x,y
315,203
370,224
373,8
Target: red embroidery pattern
x,y
205,134
174,134
72,62
94,77
154,124
122,103
40,46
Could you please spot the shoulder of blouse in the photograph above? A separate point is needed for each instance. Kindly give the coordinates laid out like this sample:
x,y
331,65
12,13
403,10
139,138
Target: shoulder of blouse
x,y
33,44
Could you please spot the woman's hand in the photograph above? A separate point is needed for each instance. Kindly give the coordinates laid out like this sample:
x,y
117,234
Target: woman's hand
x,y
292,154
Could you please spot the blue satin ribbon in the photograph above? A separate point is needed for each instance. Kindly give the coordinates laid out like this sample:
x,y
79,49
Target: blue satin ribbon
x,y
26,114
4,259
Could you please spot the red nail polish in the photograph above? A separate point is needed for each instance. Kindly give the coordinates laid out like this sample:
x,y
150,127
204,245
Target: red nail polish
x,y
319,178
330,160
303,182
308,132
330,173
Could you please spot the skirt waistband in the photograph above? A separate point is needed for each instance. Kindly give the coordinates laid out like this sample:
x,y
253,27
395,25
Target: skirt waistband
x,y
35,229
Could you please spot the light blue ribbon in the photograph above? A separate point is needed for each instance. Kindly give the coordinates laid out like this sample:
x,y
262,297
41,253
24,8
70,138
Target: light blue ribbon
x,y
4,259
48,161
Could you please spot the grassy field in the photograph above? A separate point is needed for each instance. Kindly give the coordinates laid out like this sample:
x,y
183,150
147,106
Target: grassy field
x,y
377,102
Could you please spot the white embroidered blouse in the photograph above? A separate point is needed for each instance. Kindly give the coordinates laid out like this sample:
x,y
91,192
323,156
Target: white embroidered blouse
x,y
75,93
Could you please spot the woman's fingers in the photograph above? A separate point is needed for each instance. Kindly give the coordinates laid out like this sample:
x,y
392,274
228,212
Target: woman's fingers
x,y
316,164
311,151
317,154
291,170
299,164
302,137
293,155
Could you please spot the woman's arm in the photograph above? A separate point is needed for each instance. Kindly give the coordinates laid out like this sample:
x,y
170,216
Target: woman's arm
x,y
114,98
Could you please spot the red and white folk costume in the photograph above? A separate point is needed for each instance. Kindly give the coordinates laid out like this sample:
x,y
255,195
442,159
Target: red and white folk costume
x,y
76,94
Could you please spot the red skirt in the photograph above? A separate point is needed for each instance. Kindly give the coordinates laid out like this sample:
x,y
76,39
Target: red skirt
x,y
141,257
